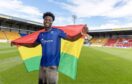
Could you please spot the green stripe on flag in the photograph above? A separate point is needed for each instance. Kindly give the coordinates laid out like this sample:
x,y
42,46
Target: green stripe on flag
x,y
32,63
68,65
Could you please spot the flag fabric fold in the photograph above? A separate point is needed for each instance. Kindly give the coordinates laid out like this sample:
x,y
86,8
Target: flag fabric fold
x,y
70,50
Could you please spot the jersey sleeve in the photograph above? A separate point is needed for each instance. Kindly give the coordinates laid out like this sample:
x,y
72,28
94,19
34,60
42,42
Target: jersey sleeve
x,y
62,34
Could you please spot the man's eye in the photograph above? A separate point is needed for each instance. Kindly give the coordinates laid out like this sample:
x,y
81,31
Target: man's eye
x,y
49,20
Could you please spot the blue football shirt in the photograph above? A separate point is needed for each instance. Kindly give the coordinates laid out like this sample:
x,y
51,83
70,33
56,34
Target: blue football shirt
x,y
51,43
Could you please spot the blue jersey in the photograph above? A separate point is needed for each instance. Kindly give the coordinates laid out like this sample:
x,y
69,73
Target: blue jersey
x,y
51,43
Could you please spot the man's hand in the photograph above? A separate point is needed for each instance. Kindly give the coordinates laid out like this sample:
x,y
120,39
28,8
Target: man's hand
x,y
89,37
84,31
12,44
85,34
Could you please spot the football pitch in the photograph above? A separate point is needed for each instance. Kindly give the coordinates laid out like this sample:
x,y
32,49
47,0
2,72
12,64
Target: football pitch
x,y
97,65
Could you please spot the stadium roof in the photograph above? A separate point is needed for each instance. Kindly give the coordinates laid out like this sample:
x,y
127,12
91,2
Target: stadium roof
x,y
7,17
112,30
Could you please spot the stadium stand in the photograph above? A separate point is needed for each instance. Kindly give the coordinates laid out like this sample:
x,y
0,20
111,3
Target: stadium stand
x,y
97,42
124,42
11,35
118,37
2,36
111,42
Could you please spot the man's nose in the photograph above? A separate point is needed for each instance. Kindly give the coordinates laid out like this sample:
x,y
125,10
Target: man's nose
x,y
47,21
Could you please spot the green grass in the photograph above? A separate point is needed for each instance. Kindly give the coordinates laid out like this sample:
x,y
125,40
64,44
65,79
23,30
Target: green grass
x,y
97,65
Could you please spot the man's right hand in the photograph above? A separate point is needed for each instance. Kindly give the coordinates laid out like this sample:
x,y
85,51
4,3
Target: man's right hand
x,y
12,44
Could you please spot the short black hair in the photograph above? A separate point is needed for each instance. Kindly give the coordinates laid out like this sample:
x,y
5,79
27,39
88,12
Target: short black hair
x,y
49,14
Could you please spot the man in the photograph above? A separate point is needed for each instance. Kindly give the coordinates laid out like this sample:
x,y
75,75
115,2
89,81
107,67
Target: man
x,y
50,41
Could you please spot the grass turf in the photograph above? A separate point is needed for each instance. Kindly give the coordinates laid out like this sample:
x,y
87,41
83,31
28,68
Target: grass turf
x,y
95,66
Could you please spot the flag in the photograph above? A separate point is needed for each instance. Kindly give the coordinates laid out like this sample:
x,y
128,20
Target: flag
x,y
70,51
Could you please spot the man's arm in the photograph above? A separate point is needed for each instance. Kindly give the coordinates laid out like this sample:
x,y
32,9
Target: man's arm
x,y
26,45
31,45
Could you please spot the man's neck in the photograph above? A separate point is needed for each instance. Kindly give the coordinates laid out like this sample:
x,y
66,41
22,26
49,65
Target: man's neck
x,y
47,28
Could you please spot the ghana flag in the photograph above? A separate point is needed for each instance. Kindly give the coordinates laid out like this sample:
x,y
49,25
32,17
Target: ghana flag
x,y
70,50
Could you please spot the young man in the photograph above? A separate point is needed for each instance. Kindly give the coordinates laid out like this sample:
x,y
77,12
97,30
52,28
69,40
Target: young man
x,y
50,41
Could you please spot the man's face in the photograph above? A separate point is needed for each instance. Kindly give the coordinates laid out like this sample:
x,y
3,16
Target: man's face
x,y
48,20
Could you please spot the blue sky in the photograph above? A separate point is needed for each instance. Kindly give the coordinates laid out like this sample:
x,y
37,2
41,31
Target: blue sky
x,y
97,14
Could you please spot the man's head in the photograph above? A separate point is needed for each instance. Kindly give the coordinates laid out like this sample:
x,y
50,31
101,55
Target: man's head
x,y
48,19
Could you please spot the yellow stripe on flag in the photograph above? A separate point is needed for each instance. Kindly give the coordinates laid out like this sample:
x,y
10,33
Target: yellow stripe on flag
x,y
30,52
72,47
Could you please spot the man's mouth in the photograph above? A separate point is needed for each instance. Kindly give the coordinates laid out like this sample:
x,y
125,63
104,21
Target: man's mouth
x,y
47,24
